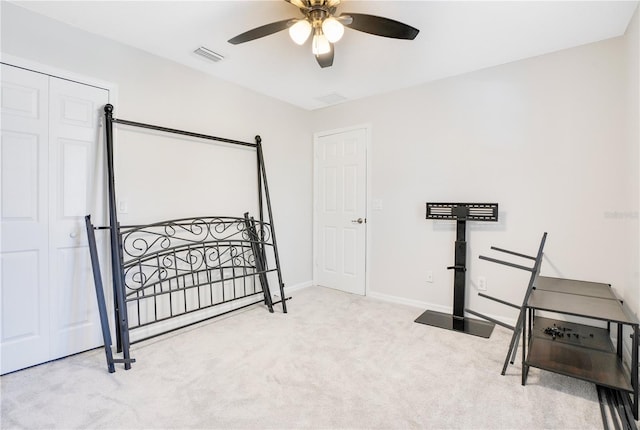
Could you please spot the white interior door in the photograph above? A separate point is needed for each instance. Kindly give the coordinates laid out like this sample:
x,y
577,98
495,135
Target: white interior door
x,y
340,210
51,178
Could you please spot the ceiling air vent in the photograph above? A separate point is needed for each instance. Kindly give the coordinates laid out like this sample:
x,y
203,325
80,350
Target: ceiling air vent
x,y
208,54
331,99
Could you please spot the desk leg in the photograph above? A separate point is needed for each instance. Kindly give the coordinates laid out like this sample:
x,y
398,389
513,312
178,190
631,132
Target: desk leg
x,y
634,369
525,368
619,338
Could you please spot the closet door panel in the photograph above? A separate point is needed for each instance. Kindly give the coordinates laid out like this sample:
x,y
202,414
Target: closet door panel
x,y
24,254
75,114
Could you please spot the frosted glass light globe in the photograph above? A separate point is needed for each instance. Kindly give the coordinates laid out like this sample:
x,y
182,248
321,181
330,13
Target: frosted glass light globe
x,y
332,29
320,44
300,31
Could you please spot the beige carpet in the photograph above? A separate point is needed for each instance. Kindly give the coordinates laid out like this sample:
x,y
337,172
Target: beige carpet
x,y
335,361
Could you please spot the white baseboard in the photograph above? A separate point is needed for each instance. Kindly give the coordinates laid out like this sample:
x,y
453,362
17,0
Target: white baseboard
x,y
408,302
288,289
405,301
429,306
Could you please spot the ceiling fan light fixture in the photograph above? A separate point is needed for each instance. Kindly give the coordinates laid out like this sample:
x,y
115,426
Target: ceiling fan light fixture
x,y
300,31
319,18
332,29
320,44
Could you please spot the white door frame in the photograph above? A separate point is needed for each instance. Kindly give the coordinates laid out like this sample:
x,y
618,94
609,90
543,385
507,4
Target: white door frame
x,y
369,225
46,69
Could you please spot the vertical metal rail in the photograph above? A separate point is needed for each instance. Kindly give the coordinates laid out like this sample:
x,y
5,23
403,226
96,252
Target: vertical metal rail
x,y
459,275
260,200
273,227
116,250
259,262
102,307
263,251
259,171
108,118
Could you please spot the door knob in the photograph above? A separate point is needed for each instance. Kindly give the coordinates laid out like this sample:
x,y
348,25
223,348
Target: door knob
x,y
359,220
73,234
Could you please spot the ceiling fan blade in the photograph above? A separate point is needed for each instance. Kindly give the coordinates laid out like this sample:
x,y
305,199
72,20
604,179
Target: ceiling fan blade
x,y
262,31
326,60
298,3
380,26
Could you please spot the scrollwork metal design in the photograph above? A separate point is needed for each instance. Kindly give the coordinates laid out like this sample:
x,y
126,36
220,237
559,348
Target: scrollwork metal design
x,y
138,241
176,267
176,263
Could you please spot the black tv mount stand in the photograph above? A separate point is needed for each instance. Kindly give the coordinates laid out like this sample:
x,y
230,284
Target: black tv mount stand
x,y
461,213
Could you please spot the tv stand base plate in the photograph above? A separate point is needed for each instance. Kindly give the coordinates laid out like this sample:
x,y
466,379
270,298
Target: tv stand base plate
x,y
450,322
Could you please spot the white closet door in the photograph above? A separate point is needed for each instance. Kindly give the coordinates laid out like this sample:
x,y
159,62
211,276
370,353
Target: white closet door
x,y
51,178
25,219
76,181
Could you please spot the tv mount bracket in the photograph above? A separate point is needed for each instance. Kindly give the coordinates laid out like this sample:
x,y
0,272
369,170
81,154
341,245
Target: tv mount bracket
x,y
461,213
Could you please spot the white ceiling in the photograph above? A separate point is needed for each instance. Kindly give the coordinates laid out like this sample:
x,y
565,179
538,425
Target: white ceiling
x,y
455,37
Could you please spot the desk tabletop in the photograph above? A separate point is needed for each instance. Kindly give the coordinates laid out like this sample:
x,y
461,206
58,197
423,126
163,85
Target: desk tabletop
x,y
579,305
571,286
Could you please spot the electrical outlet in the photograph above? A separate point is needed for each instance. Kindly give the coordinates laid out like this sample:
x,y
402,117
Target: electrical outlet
x,y
430,276
482,283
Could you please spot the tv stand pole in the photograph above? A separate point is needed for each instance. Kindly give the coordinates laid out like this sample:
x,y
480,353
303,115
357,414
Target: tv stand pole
x,y
461,213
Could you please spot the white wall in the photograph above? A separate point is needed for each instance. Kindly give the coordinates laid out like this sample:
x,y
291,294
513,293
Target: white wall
x,y
632,45
553,140
165,179
546,138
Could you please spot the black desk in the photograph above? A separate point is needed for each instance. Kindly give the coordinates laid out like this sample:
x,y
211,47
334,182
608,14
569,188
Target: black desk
x,y
580,351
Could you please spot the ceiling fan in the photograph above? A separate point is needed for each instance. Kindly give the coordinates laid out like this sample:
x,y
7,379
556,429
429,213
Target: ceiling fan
x,y
320,19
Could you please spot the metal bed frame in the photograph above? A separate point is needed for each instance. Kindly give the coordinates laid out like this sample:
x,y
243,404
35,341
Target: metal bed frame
x,y
185,268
